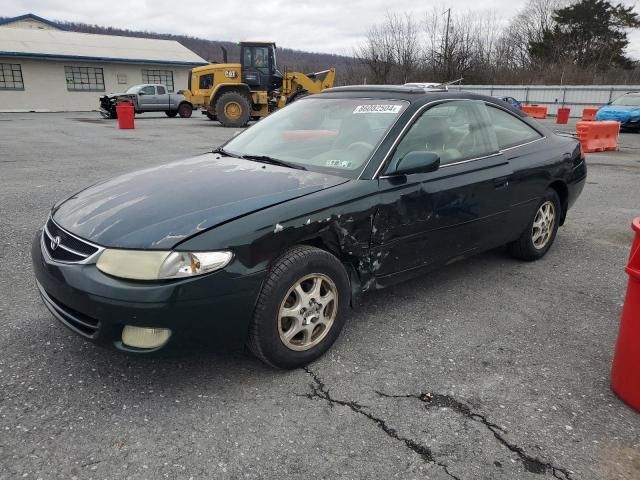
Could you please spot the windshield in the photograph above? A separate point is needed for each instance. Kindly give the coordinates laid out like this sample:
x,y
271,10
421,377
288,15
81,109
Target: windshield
x,y
627,101
332,135
133,89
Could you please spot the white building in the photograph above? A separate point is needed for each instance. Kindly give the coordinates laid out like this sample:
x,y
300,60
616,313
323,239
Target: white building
x,y
45,68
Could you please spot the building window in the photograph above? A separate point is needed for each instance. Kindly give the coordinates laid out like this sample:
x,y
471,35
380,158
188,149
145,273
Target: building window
x,y
88,79
163,77
11,77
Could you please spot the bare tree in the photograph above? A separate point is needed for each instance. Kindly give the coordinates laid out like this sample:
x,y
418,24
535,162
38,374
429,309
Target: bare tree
x,y
392,49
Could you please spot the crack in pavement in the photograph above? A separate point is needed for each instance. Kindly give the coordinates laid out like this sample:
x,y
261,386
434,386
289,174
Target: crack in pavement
x,y
531,464
320,391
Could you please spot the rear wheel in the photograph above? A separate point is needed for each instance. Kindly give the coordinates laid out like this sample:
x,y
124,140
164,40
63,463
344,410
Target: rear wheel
x,y
233,109
171,113
185,110
537,238
301,309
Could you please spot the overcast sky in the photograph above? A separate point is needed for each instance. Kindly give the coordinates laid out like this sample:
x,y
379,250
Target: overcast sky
x,y
334,26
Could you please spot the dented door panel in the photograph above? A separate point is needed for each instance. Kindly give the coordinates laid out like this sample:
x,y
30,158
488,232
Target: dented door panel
x,y
429,219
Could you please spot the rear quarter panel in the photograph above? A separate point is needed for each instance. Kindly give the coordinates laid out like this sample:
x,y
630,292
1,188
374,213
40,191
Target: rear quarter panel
x,y
552,160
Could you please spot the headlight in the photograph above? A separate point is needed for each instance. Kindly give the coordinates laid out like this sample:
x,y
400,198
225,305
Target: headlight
x,y
156,265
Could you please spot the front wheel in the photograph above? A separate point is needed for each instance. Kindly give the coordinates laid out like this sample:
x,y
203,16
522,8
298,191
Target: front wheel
x,y
171,113
185,110
537,238
301,309
233,109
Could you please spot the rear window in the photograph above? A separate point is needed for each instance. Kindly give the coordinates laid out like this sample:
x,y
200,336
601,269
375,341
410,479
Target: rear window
x,y
510,131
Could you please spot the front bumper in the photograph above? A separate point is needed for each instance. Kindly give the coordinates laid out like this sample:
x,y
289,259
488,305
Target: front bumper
x,y
97,306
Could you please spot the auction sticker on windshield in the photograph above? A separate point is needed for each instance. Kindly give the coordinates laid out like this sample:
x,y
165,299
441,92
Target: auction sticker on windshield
x,y
378,109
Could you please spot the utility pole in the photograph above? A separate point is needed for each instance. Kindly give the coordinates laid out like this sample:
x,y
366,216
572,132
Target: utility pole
x,y
446,46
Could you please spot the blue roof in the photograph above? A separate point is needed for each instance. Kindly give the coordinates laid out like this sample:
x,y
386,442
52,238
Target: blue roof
x,y
31,16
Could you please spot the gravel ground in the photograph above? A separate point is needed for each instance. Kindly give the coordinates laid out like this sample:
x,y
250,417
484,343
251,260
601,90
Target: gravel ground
x,y
488,369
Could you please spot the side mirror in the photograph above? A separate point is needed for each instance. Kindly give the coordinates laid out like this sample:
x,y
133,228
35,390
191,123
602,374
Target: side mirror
x,y
418,162
140,93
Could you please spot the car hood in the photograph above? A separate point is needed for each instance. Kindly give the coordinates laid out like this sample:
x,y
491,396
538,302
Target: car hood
x,y
159,207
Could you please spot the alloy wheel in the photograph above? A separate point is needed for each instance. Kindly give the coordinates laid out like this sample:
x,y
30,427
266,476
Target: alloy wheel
x,y
543,225
308,312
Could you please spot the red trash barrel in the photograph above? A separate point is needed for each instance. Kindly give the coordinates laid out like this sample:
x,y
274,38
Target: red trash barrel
x,y
625,373
126,113
563,115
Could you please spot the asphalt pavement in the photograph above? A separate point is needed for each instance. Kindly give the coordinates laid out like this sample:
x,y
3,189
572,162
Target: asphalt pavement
x,y
490,368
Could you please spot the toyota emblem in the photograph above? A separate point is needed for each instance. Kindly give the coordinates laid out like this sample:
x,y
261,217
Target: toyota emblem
x,y
55,243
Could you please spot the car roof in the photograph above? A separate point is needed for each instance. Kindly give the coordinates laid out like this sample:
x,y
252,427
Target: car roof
x,y
412,94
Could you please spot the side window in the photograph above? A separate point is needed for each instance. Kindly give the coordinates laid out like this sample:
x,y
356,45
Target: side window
x,y
261,58
206,81
161,90
456,131
148,90
510,131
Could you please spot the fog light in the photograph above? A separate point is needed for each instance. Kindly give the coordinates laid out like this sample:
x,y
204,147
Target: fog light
x,y
140,337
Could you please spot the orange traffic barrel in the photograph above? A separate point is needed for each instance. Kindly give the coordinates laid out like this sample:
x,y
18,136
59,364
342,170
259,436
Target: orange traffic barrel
x,y
589,114
126,114
563,115
625,373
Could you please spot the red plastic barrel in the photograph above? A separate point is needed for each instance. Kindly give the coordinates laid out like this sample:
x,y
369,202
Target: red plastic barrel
x,y
126,113
625,373
563,115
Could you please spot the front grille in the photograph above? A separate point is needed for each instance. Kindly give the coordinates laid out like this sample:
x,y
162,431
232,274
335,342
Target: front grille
x,y
76,321
63,246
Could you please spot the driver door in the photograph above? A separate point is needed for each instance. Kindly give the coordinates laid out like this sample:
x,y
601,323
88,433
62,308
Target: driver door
x,y
258,64
148,99
428,219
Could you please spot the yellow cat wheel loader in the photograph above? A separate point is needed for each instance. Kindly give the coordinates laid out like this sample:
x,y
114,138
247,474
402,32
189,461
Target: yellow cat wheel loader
x,y
234,93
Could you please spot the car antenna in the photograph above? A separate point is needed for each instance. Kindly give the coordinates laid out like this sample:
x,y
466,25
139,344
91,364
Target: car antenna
x,y
452,82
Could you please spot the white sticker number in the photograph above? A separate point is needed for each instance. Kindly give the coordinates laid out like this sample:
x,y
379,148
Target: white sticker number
x,y
377,109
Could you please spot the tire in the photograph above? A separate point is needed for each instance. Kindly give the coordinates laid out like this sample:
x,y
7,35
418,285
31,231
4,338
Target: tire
x,y
536,241
185,110
272,336
233,109
171,113
211,116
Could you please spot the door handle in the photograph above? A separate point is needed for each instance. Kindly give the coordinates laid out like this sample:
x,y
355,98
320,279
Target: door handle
x,y
500,182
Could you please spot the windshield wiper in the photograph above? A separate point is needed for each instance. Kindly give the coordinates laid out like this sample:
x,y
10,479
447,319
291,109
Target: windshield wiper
x,y
272,161
259,158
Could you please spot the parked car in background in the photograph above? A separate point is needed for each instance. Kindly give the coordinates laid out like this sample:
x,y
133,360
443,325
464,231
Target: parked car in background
x,y
147,98
273,236
624,109
512,101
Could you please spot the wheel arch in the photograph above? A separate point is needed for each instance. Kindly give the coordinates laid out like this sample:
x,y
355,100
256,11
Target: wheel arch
x,y
323,243
562,190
